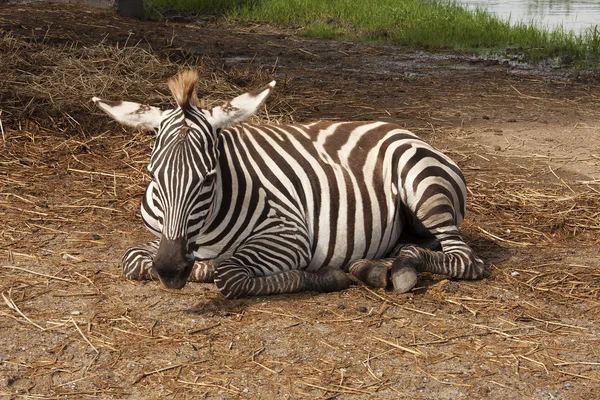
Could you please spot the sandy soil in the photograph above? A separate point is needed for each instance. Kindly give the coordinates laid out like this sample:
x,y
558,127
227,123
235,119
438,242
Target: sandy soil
x,y
528,140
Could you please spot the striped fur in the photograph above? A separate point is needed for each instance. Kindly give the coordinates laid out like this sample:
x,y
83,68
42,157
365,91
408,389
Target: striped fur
x,y
283,208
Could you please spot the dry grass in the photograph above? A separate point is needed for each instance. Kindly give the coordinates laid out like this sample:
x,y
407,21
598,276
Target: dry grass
x,y
535,214
52,86
72,327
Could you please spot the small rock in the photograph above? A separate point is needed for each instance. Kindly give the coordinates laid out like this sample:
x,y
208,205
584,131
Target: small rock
x,y
75,312
515,273
485,116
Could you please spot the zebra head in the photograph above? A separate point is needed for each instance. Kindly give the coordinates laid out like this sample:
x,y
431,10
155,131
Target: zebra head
x,y
184,166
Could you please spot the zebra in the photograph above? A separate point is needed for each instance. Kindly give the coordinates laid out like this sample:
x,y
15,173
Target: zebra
x,y
260,209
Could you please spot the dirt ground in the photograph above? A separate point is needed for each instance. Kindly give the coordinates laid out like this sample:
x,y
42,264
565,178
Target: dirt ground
x,y
71,326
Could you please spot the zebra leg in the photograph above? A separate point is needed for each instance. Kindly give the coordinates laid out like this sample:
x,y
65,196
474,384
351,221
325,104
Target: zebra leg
x,y
456,259
137,261
272,262
137,264
380,274
234,281
377,273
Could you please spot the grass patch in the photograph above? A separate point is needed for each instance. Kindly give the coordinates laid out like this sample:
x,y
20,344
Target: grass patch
x,y
427,25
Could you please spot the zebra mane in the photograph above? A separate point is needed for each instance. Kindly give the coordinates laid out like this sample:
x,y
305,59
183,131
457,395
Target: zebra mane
x,y
183,88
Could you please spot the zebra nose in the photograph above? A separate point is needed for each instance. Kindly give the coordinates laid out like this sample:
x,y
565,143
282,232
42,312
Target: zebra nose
x,y
171,263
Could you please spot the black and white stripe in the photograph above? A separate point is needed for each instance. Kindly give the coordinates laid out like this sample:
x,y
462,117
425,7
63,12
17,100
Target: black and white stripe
x,y
265,209
303,197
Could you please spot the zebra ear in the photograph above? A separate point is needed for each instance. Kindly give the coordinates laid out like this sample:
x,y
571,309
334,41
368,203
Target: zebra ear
x,y
131,114
241,108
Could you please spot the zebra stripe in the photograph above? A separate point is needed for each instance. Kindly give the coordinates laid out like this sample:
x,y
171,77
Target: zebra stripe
x,y
284,208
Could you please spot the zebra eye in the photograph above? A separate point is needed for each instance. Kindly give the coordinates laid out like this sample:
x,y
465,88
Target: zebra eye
x,y
208,179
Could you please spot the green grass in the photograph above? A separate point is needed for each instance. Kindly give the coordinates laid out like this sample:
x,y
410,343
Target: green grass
x,y
428,25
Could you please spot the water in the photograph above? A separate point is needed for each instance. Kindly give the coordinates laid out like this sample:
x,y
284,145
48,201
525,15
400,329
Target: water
x,y
576,15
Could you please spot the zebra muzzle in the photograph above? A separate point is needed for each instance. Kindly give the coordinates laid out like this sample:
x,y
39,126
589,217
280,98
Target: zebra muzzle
x,y
172,264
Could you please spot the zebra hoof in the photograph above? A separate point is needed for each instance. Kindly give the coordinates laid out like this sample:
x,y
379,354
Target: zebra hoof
x,y
404,278
371,273
481,271
332,280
